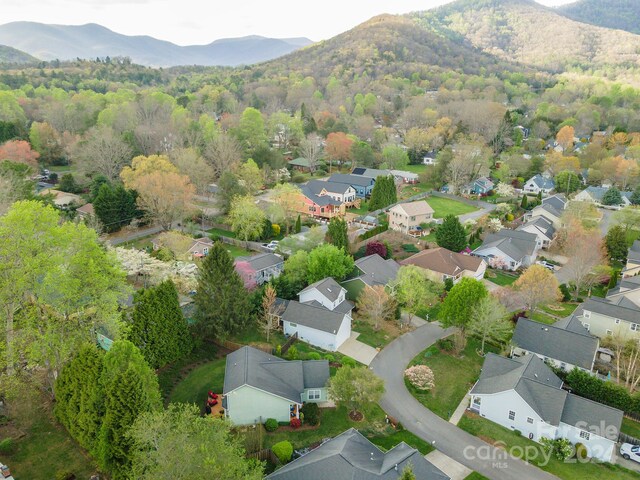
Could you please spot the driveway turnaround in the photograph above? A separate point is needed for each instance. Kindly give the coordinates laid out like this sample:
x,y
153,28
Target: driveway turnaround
x,y
453,469
455,443
358,350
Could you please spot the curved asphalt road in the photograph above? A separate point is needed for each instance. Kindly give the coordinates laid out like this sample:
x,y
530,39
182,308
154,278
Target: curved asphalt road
x,y
390,363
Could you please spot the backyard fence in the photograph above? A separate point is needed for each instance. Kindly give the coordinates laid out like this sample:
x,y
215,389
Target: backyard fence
x,y
624,438
290,341
265,455
232,346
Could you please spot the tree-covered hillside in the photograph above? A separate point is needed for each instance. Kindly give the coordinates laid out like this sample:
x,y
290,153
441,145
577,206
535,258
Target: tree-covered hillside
x,y
13,55
620,14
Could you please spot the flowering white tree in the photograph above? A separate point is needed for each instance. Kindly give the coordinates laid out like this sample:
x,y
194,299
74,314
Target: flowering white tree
x,y
505,190
420,376
503,208
494,225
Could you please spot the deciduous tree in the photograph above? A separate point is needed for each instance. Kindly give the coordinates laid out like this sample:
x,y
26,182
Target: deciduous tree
x,y
19,151
102,152
271,311
490,322
375,304
338,147
286,197
311,149
586,251
564,137
616,244
537,285
414,290
246,218
355,388
250,176
328,261
224,153
457,308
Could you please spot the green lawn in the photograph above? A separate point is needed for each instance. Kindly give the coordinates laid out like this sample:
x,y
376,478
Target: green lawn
x,y
387,442
47,449
237,251
630,427
194,387
559,309
374,338
475,476
171,375
542,317
409,191
454,376
415,168
488,430
363,210
446,206
501,278
221,232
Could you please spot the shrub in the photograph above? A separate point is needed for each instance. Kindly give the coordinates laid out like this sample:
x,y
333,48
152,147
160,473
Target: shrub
x,y
283,450
566,294
65,475
374,247
374,231
329,358
348,362
271,425
448,284
445,344
581,451
410,248
509,217
311,413
6,446
275,228
420,376
279,350
298,179
163,254
292,353
560,448
314,356
295,423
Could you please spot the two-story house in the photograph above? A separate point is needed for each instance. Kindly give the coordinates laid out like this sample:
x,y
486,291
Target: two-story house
x,y
258,386
362,185
632,267
537,184
542,228
407,217
372,270
321,317
523,394
551,209
325,199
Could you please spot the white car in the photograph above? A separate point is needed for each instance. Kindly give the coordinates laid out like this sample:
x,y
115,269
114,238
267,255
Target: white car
x,y
630,452
547,265
271,246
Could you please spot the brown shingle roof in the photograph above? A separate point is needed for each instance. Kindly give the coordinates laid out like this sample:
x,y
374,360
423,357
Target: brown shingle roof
x,y
414,208
444,261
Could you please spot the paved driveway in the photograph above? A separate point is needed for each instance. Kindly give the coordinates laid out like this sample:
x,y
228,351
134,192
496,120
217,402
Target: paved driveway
x,y
358,350
462,447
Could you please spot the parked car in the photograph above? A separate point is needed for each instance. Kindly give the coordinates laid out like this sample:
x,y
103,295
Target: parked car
x,y
271,246
548,265
630,452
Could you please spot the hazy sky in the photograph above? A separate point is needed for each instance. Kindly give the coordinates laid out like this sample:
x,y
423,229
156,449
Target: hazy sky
x,y
188,22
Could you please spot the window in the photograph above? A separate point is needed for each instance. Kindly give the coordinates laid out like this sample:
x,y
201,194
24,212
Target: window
x,y
587,326
609,332
529,420
313,395
293,325
512,415
617,321
634,327
563,366
585,435
477,401
587,314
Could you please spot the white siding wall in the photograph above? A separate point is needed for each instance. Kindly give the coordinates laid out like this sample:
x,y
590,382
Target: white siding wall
x,y
541,241
314,294
324,340
496,408
344,332
567,367
486,252
598,447
247,405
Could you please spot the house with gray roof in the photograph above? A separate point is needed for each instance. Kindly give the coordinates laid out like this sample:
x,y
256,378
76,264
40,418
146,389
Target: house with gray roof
x,y
594,195
370,271
321,317
258,386
564,345
264,266
508,249
633,261
551,209
361,184
351,455
325,199
537,184
542,228
615,315
524,394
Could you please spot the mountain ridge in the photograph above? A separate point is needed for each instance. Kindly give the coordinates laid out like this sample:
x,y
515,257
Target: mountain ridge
x,y
91,40
617,14
13,55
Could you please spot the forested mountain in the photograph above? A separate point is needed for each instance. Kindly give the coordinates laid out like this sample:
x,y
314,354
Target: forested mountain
x,y
13,55
68,42
620,14
526,32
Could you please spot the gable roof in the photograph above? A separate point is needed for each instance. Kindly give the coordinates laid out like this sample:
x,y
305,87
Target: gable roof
x,y
597,193
317,186
350,179
609,309
514,244
314,315
541,224
542,182
206,241
286,379
534,381
87,209
376,270
327,287
444,261
322,200
421,207
576,348
558,201
351,456
262,261
371,172
634,252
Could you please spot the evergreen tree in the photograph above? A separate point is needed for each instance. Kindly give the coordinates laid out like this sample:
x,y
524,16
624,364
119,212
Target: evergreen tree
x,y
221,300
130,388
115,207
267,229
451,234
298,227
337,233
525,202
616,243
635,196
383,193
79,396
540,196
612,197
158,327
68,184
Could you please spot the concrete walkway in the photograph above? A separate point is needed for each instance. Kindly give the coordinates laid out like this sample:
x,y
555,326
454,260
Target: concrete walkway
x,y
457,415
455,470
358,350
453,442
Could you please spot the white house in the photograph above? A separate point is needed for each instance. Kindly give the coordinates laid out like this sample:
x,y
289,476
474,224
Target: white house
x,y
524,394
258,386
508,249
542,228
594,195
339,192
551,209
322,317
537,184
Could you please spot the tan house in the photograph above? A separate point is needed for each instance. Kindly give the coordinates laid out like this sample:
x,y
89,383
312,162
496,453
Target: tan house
x,y
633,261
200,247
442,264
407,217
